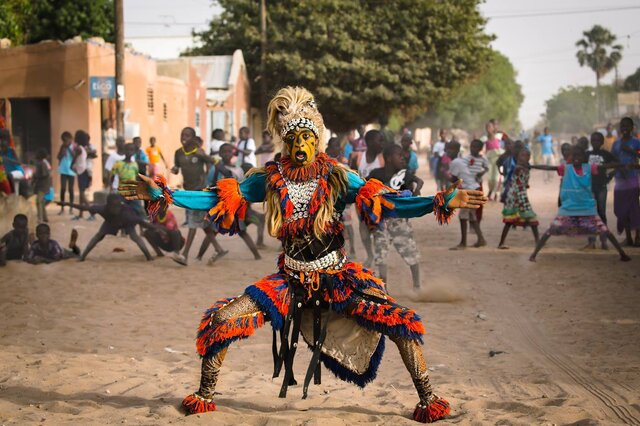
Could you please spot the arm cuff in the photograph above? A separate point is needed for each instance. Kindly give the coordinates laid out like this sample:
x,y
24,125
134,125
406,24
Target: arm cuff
x,y
440,206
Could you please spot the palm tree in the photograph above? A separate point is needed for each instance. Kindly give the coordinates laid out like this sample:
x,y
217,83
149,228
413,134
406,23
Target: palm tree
x,y
597,51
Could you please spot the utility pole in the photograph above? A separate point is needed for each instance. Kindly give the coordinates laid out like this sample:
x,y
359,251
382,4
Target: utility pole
x,y
263,54
119,27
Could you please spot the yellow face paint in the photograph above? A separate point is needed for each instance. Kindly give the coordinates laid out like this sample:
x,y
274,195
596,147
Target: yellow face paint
x,y
302,145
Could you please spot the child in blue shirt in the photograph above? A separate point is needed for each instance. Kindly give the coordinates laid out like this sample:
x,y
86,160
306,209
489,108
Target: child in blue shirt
x,y
578,214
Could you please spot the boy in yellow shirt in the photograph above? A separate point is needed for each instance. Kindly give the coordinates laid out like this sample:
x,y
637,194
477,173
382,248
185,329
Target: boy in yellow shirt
x,y
155,155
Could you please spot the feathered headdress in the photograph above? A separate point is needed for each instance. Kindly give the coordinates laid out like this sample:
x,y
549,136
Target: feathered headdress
x,y
290,108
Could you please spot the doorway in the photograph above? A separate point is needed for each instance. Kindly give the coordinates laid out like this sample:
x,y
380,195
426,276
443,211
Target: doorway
x,y
31,127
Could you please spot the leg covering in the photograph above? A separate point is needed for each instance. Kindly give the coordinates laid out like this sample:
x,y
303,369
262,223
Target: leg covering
x,y
431,407
202,401
221,322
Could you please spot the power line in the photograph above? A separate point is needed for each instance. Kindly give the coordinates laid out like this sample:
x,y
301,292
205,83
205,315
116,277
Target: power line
x,y
166,24
564,12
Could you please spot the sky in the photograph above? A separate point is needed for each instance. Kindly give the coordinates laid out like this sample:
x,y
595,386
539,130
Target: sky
x,y
537,36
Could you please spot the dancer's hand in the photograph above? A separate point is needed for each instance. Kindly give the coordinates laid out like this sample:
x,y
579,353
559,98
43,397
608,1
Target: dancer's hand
x,y
137,189
465,198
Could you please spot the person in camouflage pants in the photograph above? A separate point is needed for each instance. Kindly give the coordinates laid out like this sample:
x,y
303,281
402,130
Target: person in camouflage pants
x,y
399,233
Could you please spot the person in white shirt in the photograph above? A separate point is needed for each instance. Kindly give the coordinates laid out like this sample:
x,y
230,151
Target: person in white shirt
x,y
370,160
459,169
79,166
111,160
246,147
213,147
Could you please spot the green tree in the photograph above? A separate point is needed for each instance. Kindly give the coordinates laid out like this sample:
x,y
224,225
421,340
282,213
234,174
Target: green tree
x,y
632,82
494,94
25,22
574,109
361,58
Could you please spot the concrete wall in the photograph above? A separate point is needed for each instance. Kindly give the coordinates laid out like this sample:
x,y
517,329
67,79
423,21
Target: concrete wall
x,y
61,73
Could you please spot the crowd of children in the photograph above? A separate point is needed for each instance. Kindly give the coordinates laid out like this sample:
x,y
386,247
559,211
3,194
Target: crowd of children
x,y
582,198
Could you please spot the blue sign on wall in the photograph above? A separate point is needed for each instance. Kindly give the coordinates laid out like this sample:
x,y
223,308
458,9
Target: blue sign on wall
x,y
102,87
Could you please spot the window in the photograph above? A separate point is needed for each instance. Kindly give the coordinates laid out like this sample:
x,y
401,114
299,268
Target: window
x,y
164,111
243,118
197,117
150,101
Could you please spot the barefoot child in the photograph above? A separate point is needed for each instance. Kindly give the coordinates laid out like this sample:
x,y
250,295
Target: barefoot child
x,y
599,157
226,169
117,216
517,209
46,250
155,156
14,245
163,234
626,205
478,166
578,214
127,169
396,231
459,169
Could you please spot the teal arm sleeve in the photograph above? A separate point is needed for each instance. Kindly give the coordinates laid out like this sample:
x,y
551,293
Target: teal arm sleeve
x,y
355,182
417,206
253,190
195,200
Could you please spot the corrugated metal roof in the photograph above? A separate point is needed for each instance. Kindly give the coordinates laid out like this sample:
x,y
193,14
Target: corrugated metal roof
x,y
214,70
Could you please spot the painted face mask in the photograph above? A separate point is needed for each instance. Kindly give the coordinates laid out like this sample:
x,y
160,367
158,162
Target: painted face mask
x,y
302,145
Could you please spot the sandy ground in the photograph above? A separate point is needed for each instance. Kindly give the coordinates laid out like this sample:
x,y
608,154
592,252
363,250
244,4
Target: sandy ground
x,y
111,340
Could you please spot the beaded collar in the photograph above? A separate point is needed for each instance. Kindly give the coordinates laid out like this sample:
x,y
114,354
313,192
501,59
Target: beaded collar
x,y
301,191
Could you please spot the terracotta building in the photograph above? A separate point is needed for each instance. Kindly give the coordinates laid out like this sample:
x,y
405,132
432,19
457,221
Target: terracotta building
x,y
228,93
51,87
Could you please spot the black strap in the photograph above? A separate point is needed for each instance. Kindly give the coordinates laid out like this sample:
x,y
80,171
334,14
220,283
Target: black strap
x,y
295,333
314,365
284,336
317,322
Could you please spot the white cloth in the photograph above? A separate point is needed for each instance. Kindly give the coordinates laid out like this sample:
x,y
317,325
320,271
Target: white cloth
x,y
365,168
90,149
249,144
110,136
113,157
80,163
214,146
459,169
438,149
476,164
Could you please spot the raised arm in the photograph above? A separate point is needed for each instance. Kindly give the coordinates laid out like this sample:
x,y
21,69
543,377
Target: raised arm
x,y
375,201
226,203
543,167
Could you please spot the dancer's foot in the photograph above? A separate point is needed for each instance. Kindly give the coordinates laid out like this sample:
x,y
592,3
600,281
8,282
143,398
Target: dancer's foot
x,y
604,245
503,247
624,257
459,247
436,409
532,258
261,246
590,246
194,404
